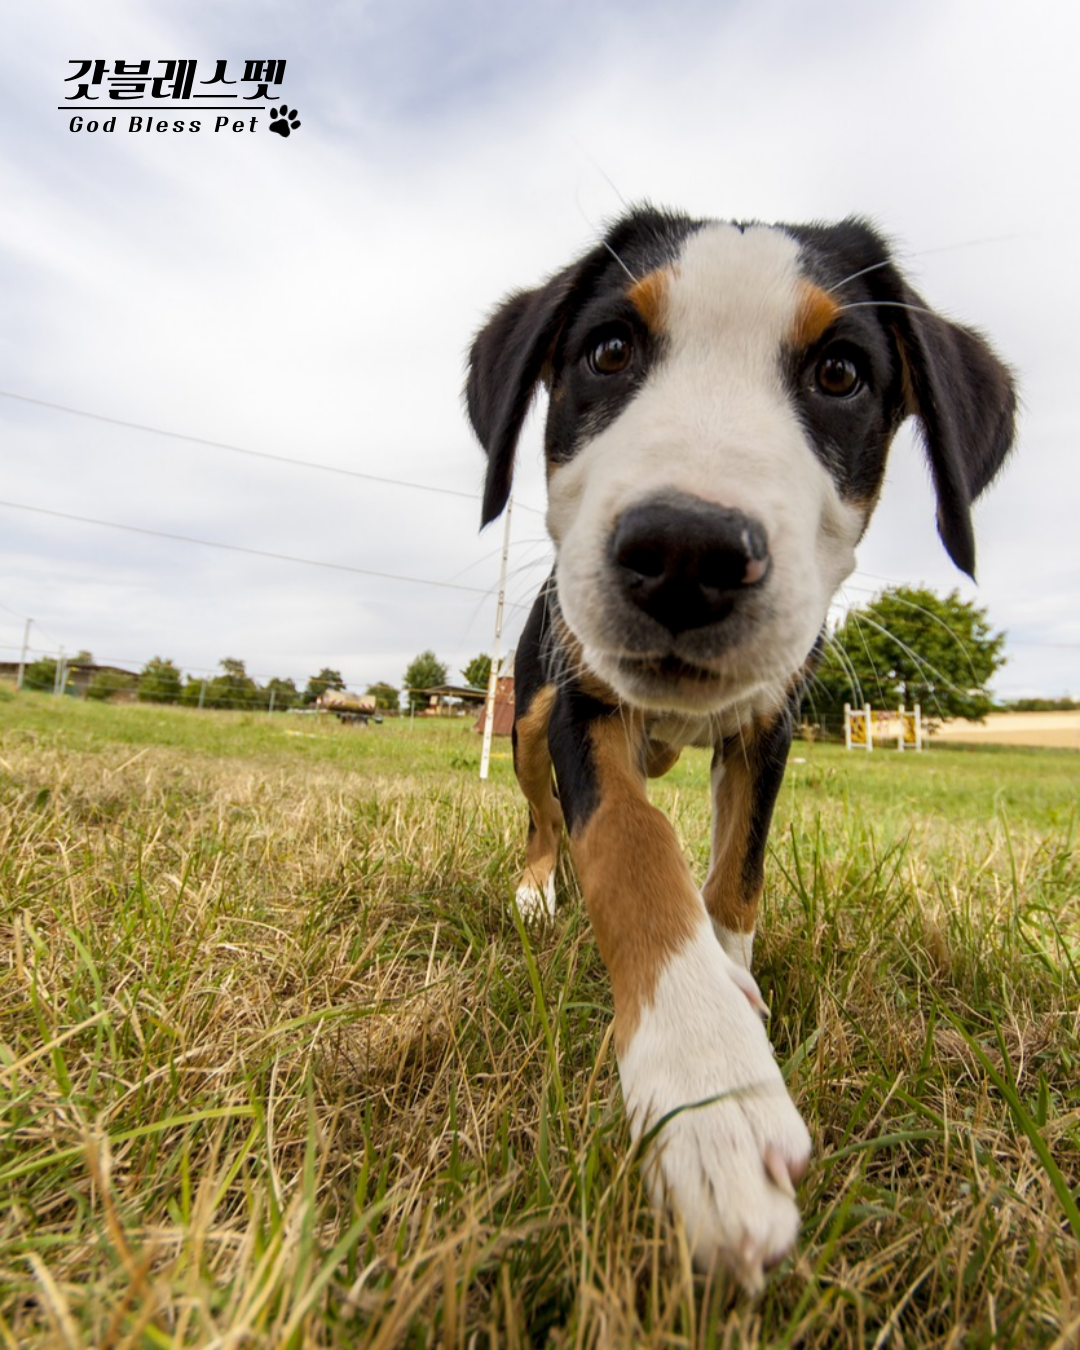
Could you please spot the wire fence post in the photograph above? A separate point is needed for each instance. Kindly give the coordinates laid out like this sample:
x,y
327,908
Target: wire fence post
x,y
493,678
22,658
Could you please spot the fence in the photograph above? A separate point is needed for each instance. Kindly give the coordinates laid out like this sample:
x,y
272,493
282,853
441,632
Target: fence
x,y
863,726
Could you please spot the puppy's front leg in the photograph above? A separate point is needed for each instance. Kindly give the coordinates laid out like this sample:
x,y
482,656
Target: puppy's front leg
x,y
693,1056
747,771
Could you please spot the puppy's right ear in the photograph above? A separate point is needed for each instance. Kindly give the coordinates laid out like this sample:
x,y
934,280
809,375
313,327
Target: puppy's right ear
x,y
506,362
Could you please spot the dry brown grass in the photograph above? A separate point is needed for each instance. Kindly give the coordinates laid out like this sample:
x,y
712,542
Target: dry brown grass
x,y
277,1069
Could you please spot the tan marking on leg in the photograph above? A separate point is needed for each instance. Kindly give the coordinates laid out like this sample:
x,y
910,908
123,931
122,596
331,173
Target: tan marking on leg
x,y
637,886
532,764
725,895
649,296
814,312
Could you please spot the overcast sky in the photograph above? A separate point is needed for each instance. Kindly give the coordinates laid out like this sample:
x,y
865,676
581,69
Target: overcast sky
x,y
312,297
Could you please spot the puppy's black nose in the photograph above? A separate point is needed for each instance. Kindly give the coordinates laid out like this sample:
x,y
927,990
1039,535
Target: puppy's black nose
x,y
685,561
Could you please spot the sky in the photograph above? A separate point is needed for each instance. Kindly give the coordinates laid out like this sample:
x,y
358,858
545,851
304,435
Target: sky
x,y
311,298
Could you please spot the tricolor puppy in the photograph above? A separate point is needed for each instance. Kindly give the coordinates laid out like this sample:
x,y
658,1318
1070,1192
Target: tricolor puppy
x,y
721,402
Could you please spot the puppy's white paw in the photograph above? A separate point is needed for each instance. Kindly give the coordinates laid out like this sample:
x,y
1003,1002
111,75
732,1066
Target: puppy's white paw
x,y
732,1145
536,905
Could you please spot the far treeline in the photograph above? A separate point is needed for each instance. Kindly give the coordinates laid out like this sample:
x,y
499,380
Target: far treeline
x,y
907,646
162,681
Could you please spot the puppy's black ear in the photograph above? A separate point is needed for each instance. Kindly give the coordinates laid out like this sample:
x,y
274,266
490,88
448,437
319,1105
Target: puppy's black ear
x,y
965,399
506,362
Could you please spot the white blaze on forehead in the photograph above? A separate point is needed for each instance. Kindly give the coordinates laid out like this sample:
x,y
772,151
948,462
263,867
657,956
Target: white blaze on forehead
x,y
735,284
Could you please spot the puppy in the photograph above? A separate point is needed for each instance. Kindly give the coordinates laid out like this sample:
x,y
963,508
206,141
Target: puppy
x,y
722,398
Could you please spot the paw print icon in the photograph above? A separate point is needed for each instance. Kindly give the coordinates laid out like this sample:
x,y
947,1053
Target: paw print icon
x,y
285,120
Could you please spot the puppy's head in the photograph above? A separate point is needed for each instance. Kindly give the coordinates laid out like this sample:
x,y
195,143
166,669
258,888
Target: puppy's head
x,y
722,400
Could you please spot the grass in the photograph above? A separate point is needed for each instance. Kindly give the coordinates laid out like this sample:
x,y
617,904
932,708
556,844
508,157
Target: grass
x,y
277,1068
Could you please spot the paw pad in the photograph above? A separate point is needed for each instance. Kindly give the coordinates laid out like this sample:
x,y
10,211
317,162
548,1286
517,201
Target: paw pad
x,y
285,120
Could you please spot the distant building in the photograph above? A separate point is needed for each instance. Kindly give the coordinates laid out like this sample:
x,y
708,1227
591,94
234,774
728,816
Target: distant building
x,y
79,676
503,723
449,700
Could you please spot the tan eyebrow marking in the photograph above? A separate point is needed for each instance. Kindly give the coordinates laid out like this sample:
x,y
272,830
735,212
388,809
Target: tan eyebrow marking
x,y
649,296
815,310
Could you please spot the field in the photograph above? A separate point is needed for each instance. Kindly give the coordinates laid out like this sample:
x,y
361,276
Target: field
x,y
1061,729
278,1069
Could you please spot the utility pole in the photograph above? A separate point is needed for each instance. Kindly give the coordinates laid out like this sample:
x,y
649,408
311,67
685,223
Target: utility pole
x,y
57,678
493,678
22,658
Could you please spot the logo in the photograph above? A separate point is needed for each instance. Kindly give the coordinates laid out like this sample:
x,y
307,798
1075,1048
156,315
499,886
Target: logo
x,y
286,120
129,93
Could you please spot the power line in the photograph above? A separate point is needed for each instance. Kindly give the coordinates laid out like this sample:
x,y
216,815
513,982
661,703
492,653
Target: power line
x,y
240,548
254,454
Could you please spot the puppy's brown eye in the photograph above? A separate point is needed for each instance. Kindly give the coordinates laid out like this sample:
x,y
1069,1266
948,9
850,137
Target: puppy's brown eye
x,y
838,376
611,355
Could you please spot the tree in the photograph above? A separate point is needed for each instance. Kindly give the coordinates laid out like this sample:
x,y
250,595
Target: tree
x,y
159,681
40,675
910,646
285,693
478,671
385,695
108,682
1065,704
233,688
319,684
425,672
193,688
